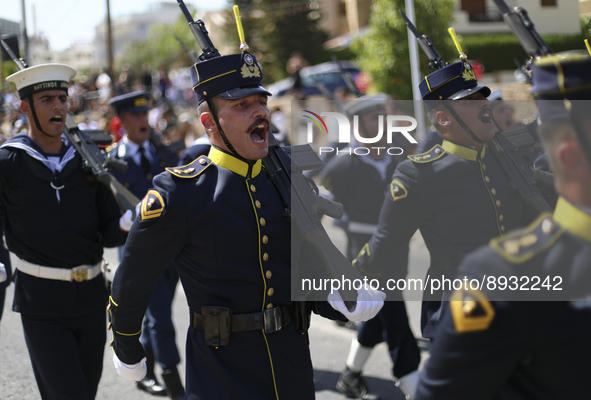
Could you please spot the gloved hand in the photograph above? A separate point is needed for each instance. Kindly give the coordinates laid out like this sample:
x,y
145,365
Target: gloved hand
x,y
135,372
369,302
126,221
3,274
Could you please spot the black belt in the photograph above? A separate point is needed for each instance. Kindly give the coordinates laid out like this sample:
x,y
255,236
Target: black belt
x,y
270,321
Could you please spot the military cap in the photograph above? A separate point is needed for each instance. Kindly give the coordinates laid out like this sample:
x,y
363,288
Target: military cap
x,y
453,82
234,76
131,102
556,78
367,103
42,77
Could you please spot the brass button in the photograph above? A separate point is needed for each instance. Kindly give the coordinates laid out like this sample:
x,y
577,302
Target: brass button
x,y
265,257
202,161
438,151
269,306
109,326
112,343
270,292
484,167
486,178
263,222
268,274
265,239
547,226
253,188
498,203
257,204
493,191
502,228
501,217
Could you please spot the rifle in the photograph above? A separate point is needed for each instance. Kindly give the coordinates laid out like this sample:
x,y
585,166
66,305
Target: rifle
x,y
347,78
192,55
93,158
523,27
167,153
299,194
521,176
435,60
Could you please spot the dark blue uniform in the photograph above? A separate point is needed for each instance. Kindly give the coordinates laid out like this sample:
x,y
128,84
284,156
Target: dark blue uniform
x,y
490,345
361,188
458,198
58,220
222,221
158,334
4,259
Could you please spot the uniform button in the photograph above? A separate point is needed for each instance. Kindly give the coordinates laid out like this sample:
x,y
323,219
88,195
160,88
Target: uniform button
x,y
265,239
493,191
501,217
438,151
253,188
269,306
484,167
265,257
263,222
257,204
498,203
502,228
202,161
486,178
270,292
268,274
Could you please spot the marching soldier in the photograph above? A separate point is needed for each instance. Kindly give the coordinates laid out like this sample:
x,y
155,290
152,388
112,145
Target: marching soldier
x,y
456,194
490,347
58,218
359,182
221,219
143,163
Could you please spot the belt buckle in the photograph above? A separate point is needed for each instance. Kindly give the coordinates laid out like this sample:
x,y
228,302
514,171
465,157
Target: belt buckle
x,y
273,320
79,274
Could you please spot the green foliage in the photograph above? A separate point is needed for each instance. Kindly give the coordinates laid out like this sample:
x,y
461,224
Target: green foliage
x,y
161,48
486,48
383,52
274,29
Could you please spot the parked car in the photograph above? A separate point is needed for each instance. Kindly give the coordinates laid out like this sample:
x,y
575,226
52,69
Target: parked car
x,y
326,73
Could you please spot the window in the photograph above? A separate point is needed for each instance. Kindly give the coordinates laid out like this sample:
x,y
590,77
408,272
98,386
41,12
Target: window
x,y
548,3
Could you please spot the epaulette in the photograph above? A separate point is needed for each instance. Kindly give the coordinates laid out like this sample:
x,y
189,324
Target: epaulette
x,y
524,244
471,310
434,154
111,147
152,205
191,170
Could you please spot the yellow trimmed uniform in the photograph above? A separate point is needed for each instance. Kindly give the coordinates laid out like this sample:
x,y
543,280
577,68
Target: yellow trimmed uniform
x,y
498,344
458,198
222,222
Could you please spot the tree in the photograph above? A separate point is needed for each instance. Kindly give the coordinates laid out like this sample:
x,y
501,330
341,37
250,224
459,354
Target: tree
x,y
383,51
274,29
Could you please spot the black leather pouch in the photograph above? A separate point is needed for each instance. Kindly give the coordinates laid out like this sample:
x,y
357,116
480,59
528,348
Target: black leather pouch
x,y
217,325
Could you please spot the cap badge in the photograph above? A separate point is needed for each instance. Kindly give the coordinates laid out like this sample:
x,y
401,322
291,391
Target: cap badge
x,y
140,102
250,69
468,73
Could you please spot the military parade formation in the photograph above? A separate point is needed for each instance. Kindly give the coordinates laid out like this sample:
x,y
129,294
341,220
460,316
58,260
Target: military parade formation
x,y
503,209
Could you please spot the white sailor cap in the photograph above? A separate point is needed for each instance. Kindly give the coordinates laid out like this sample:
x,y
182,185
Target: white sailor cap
x,y
42,77
367,103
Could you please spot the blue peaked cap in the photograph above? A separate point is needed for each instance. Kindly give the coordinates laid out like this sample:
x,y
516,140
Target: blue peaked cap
x,y
234,76
131,102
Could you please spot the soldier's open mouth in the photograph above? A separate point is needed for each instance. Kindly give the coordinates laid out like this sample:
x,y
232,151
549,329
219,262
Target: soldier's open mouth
x,y
259,133
486,116
58,119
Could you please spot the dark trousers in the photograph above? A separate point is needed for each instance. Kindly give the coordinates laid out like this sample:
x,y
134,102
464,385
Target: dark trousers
x,y
158,332
2,298
391,326
66,354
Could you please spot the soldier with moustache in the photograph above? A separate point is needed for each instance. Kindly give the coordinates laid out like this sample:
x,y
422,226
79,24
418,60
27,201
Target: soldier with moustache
x,y
456,193
222,220
359,180
57,220
530,342
143,163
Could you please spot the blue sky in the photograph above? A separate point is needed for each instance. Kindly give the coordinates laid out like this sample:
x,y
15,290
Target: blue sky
x,y
65,21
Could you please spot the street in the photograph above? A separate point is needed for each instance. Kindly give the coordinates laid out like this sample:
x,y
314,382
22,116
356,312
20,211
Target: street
x,y
329,346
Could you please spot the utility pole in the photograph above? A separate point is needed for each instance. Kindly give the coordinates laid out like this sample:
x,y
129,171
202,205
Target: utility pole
x,y
415,73
109,42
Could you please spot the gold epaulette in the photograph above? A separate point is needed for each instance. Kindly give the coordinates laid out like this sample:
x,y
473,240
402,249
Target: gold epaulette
x,y
434,154
471,310
523,244
191,170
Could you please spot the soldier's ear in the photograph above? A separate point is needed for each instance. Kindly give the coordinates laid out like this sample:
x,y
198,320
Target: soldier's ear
x,y
25,107
208,122
571,157
443,118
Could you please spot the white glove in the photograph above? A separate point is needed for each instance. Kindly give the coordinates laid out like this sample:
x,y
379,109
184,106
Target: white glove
x,y
135,372
126,221
3,274
369,302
